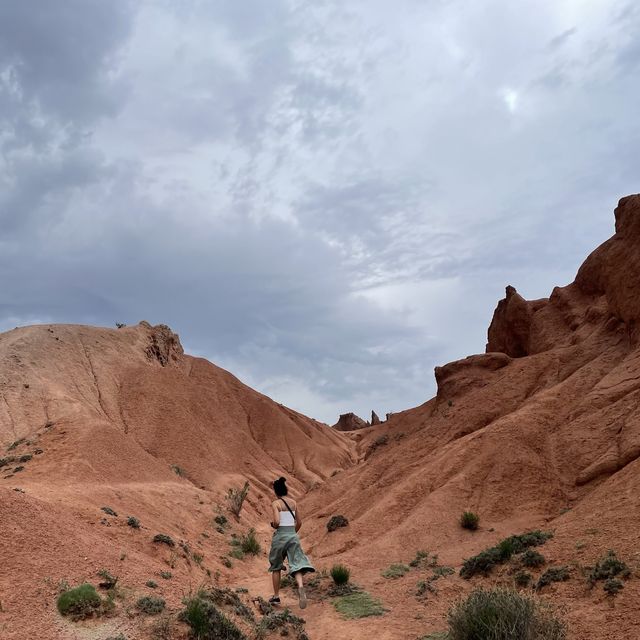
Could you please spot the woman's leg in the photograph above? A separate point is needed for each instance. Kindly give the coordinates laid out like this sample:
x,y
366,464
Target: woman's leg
x,y
275,577
302,596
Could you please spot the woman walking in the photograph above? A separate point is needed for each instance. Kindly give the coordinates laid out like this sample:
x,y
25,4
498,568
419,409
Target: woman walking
x,y
286,521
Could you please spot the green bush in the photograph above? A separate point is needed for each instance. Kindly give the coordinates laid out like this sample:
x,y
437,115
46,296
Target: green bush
x,y
249,543
79,602
150,604
503,614
553,574
166,575
221,520
395,571
612,586
485,561
469,520
608,567
207,622
340,574
522,578
152,584
133,522
422,558
532,559
164,539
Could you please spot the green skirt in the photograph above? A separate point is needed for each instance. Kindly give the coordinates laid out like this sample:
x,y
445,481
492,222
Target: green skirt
x,y
285,542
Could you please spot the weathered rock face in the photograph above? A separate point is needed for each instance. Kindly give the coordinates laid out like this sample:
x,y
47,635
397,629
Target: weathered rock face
x,y
164,344
374,418
350,422
511,326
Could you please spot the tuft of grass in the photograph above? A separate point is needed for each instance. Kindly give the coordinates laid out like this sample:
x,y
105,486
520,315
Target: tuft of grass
x,y
179,471
197,558
151,605
108,581
164,539
522,579
152,584
236,497
80,602
166,575
552,574
221,521
532,559
109,511
237,553
503,614
394,571
485,561
133,522
335,522
358,605
608,567
612,586
249,543
340,574
469,520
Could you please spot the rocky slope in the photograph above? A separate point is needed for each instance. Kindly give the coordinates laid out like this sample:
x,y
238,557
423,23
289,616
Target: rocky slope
x,y
541,431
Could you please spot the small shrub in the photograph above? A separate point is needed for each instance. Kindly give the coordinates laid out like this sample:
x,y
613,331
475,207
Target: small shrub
x,y
485,561
553,574
197,558
79,602
532,559
151,605
426,586
166,575
227,562
395,571
612,586
108,581
221,520
109,511
469,520
15,444
237,553
133,522
249,543
120,325
422,558
608,567
207,622
522,578
236,497
358,605
502,614
164,539
25,458
179,471
441,572
336,522
151,584
340,574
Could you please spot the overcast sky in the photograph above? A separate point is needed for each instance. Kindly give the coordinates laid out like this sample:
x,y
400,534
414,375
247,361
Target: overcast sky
x,y
326,198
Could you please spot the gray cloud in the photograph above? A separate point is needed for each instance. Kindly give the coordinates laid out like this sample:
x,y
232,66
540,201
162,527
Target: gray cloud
x,y
325,198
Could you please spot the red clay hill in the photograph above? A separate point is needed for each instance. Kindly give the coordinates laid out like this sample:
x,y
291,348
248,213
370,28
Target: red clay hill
x,y
540,432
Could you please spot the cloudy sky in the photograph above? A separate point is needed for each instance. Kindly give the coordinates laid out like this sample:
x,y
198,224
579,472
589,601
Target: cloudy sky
x,y
325,197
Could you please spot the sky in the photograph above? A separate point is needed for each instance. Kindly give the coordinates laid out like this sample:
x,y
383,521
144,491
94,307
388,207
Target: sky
x,y
326,198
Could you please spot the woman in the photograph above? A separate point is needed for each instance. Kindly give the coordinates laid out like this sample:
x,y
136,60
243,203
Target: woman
x,y
286,521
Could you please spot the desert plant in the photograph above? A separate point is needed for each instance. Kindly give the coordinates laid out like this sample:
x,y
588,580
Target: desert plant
x,y
487,559
133,522
108,581
552,574
179,471
197,558
608,567
237,553
249,543
152,584
612,586
207,622
425,586
522,578
236,497
358,605
80,602
532,559
336,522
151,605
340,574
221,520
422,558
120,325
502,614
166,575
394,571
164,539
109,511
469,520
440,572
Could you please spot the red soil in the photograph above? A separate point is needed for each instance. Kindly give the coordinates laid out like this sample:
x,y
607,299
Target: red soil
x,y
542,431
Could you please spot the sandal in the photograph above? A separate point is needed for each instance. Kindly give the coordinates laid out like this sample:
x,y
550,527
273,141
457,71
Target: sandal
x,y
274,600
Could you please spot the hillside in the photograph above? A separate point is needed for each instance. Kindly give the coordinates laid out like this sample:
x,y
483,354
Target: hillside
x,y
540,432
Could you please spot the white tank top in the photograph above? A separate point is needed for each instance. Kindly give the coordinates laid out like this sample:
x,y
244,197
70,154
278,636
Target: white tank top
x,y
286,519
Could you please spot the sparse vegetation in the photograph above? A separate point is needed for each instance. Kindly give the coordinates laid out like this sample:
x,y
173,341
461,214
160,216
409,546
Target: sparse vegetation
x,y
151,605
358,605
394,571
237,553
336,522
552,574
380,441
206,621
166,575
340,574
485,561
221,521
133,522
422,560
280,620
612,586
163,628
503,614
522,579
108,581
80,602
120,325
179,471
608,567
109,511
162,538
469,520
236,497
249,543
532,559
152,584
426,586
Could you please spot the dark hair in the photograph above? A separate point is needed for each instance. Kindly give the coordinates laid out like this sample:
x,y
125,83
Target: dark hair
x,y
280,487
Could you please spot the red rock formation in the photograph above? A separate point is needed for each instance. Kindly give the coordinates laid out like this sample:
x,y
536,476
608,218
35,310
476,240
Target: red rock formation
x,y
374,418
350,422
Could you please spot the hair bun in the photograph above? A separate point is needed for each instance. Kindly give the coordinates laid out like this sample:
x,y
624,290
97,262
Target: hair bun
x,y
281,479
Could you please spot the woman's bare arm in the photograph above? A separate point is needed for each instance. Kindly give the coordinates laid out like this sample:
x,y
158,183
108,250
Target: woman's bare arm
x,y
275,515
298,519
